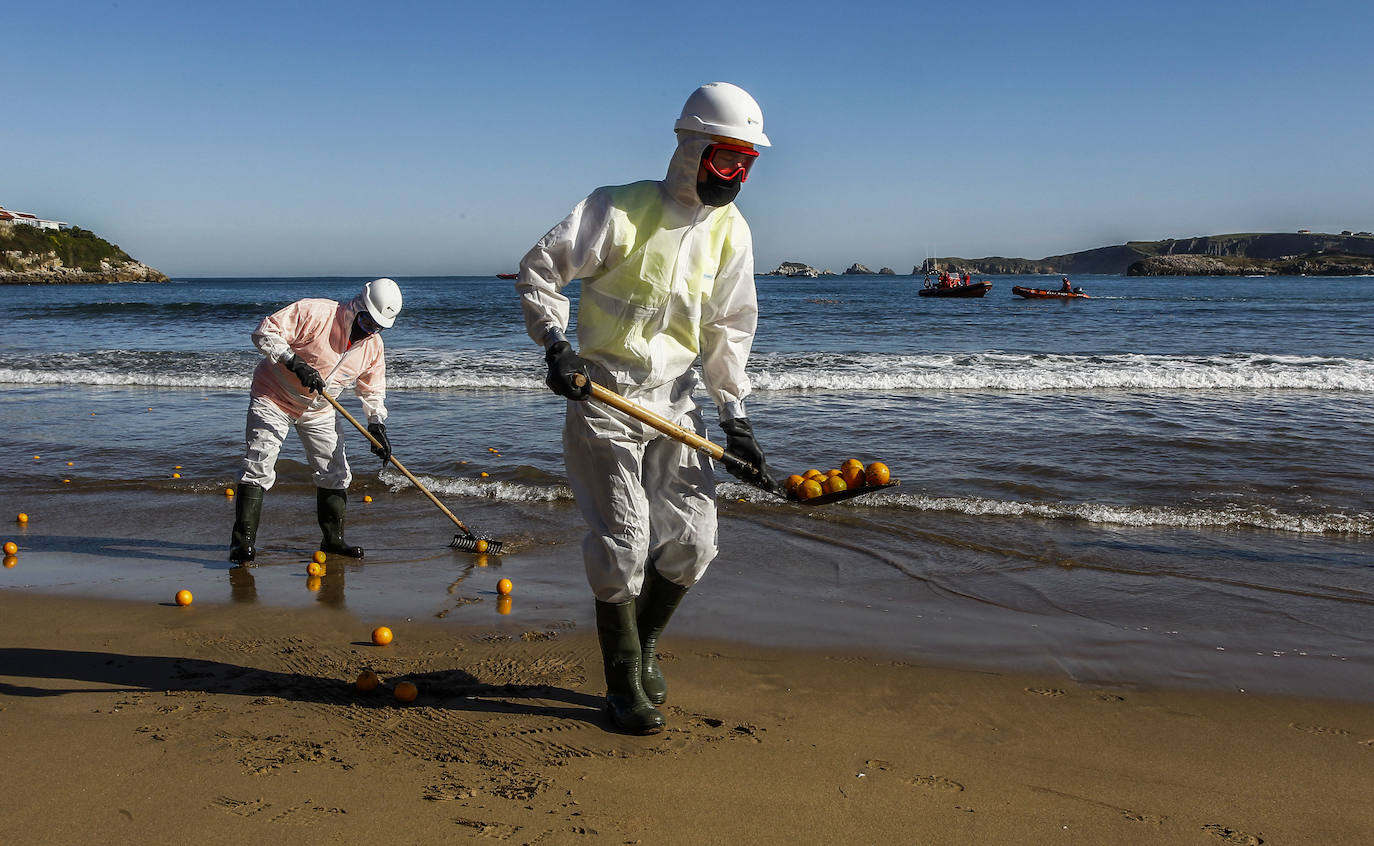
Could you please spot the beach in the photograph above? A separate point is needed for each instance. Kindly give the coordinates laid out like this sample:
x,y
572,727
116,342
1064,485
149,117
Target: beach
x,y
144,722
1120,595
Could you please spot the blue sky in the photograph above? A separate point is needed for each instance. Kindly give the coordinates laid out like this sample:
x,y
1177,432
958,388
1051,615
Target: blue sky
x,y
401,139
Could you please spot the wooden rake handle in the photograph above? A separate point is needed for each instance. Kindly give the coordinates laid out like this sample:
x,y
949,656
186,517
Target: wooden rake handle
x,y
664,425
394,460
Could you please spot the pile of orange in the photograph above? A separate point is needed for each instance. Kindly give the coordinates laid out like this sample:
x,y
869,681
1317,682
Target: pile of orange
x,y
851,474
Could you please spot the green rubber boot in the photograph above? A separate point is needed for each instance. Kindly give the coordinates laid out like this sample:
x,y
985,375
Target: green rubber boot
x,y
655,606
630,709
330,505
247,509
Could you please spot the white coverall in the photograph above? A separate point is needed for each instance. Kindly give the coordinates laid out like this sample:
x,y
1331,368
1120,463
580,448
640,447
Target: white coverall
x,y
316,330
665,279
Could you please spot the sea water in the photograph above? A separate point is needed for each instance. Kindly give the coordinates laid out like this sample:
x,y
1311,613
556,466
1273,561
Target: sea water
x,y
1111,487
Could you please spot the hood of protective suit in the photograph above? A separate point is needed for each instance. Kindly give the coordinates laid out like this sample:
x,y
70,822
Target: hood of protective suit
x,y
683,168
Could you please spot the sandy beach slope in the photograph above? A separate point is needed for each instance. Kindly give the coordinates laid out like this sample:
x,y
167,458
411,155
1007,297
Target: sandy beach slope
x,y
147,723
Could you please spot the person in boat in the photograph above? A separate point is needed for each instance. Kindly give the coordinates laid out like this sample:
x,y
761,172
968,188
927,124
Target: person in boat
x,y
968,277
667,270
1067,287
308,338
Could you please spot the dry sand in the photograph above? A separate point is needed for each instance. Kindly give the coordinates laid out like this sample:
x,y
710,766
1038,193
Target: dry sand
x,y
148,723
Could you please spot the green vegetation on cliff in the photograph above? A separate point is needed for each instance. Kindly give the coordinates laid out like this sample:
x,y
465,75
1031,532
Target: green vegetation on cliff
x,y
75,247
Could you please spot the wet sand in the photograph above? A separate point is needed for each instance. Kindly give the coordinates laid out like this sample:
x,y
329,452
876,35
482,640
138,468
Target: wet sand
x,y
221,722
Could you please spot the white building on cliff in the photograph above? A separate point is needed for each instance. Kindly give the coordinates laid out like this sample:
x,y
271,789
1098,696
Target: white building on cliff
x,y
32,219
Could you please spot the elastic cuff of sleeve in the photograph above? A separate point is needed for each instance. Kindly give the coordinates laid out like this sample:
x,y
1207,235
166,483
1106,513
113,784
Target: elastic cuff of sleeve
x,y
553,336
731,410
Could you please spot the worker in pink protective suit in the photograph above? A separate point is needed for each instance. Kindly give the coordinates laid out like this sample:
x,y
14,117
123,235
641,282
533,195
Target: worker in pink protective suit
x,y
310,346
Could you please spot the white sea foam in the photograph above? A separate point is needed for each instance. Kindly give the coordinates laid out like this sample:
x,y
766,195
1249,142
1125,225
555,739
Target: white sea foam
x,y
1230,517
778,372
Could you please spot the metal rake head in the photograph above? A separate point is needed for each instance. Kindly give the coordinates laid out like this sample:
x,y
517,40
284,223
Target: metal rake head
x,y
472,543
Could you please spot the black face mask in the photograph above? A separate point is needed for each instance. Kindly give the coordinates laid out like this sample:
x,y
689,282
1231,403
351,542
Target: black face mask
x,y
359,330
716,191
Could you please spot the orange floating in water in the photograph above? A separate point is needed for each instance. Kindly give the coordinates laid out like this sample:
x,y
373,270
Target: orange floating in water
x,y
22,518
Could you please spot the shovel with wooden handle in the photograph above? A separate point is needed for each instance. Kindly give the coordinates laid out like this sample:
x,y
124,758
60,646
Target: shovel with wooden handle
x,y
697,442
467,541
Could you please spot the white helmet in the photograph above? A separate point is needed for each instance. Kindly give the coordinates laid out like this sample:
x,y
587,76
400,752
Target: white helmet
x,y
383,300
719,108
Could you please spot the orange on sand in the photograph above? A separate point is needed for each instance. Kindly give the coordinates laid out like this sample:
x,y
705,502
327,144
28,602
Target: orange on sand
x,y
504,587
853,476
319,556
792,481
11,548
877,474
406,692
314,569
381,635
835,484
183,597
368,681
810,489
22,518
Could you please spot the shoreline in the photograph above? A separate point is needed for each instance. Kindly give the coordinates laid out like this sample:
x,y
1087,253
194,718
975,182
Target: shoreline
x,y
784,579
230,720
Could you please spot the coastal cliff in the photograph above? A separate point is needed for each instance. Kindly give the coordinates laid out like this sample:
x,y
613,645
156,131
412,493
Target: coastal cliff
x,y
33,256
1237,254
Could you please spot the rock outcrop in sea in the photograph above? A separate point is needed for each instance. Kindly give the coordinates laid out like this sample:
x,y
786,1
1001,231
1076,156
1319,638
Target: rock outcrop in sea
x,y
795,268
857,269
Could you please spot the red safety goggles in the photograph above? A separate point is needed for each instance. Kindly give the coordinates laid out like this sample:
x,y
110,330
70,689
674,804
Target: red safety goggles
x,y
729,160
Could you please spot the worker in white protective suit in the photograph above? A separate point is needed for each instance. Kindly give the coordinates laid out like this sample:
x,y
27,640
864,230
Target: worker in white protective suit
x,y
310,346
667,270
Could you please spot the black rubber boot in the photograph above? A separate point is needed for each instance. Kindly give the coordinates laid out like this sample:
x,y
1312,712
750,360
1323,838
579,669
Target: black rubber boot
x,y
631,710
657,601
243,541
330,505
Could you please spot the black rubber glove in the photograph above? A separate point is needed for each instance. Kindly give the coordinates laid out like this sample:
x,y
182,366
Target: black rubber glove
x,y
564,364
378,431
739,442
309,376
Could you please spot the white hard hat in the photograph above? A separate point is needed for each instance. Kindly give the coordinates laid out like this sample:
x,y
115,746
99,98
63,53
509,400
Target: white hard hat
x,y
719,108
383,300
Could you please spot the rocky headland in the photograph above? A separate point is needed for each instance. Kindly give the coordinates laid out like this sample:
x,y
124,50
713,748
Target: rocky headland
x,y
33,256
1252,254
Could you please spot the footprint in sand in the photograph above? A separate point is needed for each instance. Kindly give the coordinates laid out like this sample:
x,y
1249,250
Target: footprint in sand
x,y
1046,691
1316,729
1230,835
932,782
